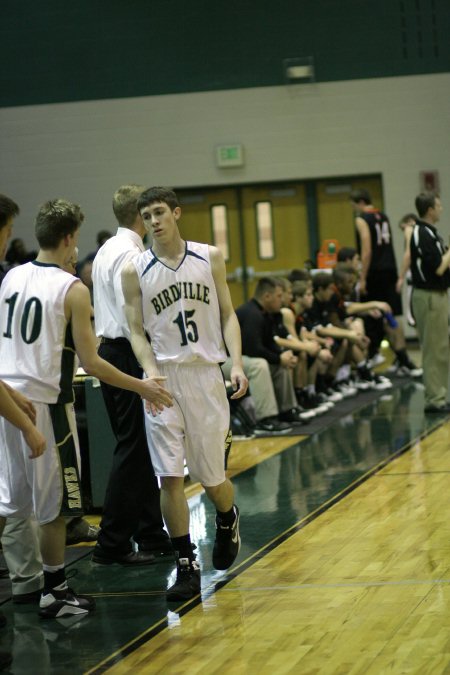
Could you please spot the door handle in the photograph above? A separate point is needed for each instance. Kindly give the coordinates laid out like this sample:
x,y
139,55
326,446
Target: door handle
x,y
270,273
236,275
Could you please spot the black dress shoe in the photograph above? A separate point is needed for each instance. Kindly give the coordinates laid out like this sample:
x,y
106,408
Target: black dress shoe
x,y
162,547
130,559
438,409
158,547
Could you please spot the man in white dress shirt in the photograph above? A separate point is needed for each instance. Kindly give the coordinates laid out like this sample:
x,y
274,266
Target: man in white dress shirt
x,y
132,501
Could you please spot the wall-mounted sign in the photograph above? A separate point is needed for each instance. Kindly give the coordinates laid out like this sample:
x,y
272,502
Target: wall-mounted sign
x,y
429,181
229,155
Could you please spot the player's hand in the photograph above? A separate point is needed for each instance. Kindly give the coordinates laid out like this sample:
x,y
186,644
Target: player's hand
x,y
24,404
399,284
156,396
35,441
312,348
325,356
287,359
239,382
385,307
363,341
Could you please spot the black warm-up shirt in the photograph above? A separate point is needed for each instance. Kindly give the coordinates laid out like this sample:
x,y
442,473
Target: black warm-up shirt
x,y
257,332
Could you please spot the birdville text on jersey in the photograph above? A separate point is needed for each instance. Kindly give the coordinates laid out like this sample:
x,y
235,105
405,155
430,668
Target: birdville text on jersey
x,y
185,290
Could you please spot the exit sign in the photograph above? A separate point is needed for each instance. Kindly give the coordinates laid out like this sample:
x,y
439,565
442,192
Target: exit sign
x,y
229,155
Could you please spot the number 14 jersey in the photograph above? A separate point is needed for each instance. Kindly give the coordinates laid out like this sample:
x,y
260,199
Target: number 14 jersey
x,y
383,256
181,308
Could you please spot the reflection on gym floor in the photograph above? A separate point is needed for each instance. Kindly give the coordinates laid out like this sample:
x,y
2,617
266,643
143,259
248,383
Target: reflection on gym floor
x,y
277,498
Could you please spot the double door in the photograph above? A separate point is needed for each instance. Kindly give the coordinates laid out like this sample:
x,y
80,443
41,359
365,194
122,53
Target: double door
x,y
268,230
261,230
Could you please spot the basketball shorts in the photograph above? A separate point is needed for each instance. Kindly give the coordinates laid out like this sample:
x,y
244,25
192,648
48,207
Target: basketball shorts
x,y
195,429
381,286
49,485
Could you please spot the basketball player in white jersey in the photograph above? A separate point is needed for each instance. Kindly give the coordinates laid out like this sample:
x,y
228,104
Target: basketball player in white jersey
x,y
45,317
19,538
176,293
20,412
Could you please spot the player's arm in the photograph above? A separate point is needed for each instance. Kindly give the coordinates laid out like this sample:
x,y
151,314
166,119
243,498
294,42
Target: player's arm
x,y
21,419
365,307
445,263
406,262
297,345
366,251
133,311
116,275
230,325
22,402
431,253
338,333
288,317
312,335
292,341
78,308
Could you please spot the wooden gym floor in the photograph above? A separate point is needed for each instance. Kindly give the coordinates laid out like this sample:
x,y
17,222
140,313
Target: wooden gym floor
x,y
344,566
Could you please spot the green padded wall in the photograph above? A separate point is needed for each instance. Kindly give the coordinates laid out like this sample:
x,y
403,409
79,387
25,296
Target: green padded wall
x,y
56,51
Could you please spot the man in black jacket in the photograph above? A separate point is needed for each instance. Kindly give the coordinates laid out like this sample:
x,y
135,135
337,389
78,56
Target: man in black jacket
x,y
258,340
430,260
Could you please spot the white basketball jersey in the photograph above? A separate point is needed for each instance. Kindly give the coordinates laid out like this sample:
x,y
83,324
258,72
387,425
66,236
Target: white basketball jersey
x,y
36,347
180,307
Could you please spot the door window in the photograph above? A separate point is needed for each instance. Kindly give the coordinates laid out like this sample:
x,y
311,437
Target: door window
x,y
219,228
264,228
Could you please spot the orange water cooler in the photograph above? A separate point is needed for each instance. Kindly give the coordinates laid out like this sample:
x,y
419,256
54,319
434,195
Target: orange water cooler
x,y
327,256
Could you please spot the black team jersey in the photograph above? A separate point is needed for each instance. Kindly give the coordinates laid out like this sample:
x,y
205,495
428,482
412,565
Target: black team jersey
x,y
383,256
317,315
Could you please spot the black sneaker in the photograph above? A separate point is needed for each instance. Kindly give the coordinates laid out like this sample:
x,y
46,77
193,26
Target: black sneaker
x,y
78,530
227,543
332,395
272,425
410,369
369,380
322,400
438,409
297,415
311,401
187,583
56,604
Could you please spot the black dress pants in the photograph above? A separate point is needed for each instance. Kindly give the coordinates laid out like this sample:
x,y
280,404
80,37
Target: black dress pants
x,y
132,501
